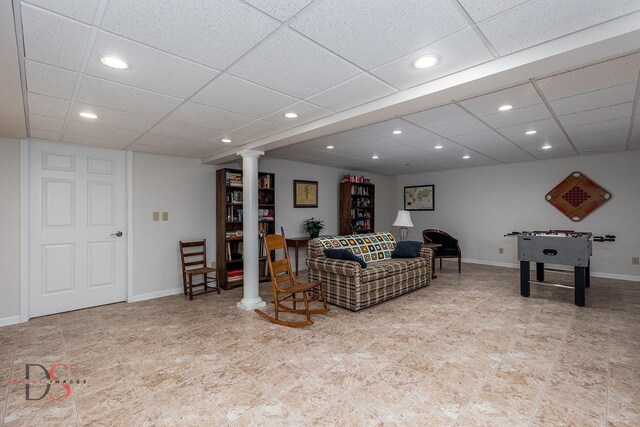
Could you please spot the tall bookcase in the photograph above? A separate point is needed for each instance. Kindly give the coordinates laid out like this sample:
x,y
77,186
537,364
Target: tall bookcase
x,y
357,208
229,217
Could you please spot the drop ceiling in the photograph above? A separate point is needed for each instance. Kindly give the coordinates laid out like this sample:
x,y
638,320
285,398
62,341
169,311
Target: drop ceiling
x,y
201,72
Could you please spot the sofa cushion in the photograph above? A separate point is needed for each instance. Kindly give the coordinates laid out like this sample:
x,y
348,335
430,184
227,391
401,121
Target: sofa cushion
x,y
408,249
344,254
372,247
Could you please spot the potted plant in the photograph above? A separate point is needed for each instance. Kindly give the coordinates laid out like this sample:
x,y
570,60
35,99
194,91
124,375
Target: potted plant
x,y
313,226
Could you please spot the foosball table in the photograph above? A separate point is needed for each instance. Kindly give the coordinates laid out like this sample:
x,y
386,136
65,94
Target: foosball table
x,y
564,247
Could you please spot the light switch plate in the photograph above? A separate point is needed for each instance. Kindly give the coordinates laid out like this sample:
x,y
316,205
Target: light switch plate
x,y
165,216
500,250
156,216
635,260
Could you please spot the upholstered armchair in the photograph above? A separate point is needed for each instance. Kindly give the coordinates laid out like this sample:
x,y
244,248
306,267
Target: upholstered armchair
x,y
450,247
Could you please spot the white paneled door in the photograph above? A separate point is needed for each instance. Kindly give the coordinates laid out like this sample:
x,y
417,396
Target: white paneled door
x,y
77,228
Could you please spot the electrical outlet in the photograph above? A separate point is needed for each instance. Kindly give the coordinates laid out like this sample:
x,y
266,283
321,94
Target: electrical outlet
x,y
156,216
212,264
165,216
500,250
635,260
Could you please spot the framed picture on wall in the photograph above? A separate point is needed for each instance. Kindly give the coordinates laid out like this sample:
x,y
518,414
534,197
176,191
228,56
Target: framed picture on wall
x,y
419,198
305,194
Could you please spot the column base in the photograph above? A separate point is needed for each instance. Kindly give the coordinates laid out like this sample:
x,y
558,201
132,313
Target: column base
x,y
251,303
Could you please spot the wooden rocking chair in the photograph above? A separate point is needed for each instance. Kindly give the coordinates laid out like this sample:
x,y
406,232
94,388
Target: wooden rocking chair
x,y
284,283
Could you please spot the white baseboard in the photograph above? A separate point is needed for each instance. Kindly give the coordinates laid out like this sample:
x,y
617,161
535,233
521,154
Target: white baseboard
x,y
513,265
11,320
157,294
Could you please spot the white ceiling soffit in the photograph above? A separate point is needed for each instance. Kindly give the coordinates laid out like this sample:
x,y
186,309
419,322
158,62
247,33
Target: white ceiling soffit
x,y
202,72
12,111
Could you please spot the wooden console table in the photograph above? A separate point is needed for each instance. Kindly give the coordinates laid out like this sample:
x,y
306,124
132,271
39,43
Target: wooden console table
x,y
298,242
433,246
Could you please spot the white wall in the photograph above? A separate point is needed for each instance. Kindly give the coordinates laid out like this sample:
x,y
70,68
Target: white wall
x,y
480,205
9,230
185,189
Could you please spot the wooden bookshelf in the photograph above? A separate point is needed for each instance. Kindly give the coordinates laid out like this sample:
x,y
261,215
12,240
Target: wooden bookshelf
x,y
229,218
357,208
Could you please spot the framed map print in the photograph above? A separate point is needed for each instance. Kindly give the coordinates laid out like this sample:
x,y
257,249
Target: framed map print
x,y
418,198
305,194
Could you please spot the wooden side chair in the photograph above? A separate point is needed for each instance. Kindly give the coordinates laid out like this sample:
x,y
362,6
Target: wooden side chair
x,y
287,290
194,263
450,247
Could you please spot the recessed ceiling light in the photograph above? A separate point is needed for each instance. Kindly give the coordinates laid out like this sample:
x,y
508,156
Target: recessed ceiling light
x,y
88,115
330,147
425,61
530,132
113,62
396,132
375,156
225,140
547,146
439,147
506,107
291,115
466,156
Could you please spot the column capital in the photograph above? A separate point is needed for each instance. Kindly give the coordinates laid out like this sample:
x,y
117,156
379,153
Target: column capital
x,y
250,153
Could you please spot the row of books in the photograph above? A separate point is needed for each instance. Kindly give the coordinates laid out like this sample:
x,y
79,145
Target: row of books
x,y
264,181
235,250
233,234
235,275
364,202
234,179
234,214
361,224
356,179
234,196
360,213
359,191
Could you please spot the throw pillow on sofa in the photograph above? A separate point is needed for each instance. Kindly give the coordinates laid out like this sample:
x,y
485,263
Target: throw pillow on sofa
x,y
408,249
345,255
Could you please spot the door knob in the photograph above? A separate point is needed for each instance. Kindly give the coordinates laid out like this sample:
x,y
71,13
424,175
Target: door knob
x,y
117,234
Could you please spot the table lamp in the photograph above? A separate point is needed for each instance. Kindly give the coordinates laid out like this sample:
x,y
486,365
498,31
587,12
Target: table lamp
x,y
403,220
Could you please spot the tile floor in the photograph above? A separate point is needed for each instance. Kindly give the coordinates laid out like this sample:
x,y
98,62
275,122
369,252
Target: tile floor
x,y
467,350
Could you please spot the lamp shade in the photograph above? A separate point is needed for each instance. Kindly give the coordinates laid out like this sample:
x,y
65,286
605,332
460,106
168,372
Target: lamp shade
x,y
403,219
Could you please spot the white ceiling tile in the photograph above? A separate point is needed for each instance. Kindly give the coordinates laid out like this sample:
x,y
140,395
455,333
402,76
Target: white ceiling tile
x,y
541,138
149,69
209,117
370,33
167,142
236,139
125,98
82,10
516,116
597,139
482,138
538,21
353,92
53,39
204,150
44,134
470,125
47,80
386,128
281,9
540,126
519,96
456,52
47,105
354,136
601,150
554,153
213,33
439,116
98,142
479,10
151,149
260,129
416,138
99,131
240,96
596,99
306,113
606,74
184,131
53,124
291,64
621,124
113,118
597,115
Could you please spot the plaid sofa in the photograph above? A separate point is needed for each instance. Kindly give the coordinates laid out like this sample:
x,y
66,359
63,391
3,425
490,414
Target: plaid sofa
x,y
350,286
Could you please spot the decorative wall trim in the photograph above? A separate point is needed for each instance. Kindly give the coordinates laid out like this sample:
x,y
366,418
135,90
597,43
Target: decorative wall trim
x,y
157,294
11,320
512,265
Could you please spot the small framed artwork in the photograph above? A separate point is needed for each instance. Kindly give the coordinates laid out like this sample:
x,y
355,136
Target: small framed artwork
x,y
305,194
419,198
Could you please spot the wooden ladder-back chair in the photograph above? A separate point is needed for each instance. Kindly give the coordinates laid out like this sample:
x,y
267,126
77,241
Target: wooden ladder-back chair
x,y
450,247
286,287
194,263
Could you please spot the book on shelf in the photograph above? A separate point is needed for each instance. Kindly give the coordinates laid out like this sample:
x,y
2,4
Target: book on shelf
x,y
234,179
264,181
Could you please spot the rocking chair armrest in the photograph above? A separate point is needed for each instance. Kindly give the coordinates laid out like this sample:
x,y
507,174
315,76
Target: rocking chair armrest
x,y
426,253
334,266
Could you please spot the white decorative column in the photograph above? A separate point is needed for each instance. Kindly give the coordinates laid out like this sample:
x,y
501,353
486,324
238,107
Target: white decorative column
x,y
251,252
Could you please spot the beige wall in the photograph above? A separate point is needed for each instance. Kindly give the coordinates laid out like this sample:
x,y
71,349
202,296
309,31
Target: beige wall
x,y
9,230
